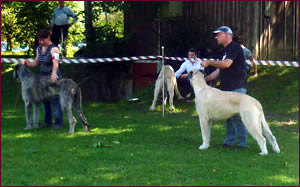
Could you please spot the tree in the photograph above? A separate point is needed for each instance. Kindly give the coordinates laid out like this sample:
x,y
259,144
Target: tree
x,y
8,24
99,36
89,28
31,17
21,20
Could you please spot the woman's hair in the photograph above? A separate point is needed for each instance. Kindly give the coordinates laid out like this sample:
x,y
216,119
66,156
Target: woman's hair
x,y
43,33
238,39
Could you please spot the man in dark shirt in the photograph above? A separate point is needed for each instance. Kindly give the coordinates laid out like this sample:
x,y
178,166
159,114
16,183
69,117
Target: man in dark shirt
x,y
233,76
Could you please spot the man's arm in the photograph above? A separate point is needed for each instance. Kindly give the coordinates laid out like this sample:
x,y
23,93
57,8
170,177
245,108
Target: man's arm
x,y
73,15
53,19
218,64
31,64
213,76
55,59
182,68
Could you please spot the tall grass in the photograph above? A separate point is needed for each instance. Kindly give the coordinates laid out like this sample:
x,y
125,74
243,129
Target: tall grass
x,y
132,146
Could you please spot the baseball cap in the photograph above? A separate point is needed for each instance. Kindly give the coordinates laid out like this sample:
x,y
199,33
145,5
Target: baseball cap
x,y
223,29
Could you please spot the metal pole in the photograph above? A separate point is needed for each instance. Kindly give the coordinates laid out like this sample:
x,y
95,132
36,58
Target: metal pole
x,y
62,42
163,82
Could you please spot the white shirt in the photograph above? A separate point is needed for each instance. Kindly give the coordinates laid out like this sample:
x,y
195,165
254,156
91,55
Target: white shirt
x,y
188,66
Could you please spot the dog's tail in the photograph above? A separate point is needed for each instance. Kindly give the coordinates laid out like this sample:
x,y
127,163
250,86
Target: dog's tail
x,y
179,96
78,107
267,132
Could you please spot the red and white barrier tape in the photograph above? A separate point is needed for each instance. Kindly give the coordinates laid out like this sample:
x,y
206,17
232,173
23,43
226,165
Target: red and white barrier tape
x,y
258,62
139,58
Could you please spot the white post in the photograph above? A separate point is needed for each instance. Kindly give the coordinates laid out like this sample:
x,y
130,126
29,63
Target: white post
x,y
163,73
62,42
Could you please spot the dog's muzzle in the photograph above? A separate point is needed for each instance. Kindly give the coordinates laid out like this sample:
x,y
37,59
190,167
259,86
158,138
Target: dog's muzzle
x,y
190,75
15,75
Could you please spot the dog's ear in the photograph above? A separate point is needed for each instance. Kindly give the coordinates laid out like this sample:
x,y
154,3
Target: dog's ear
x,y
15,72
203,72
190,75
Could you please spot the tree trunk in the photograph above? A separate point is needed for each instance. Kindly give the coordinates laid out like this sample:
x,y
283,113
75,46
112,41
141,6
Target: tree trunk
x,y
89,29
9,42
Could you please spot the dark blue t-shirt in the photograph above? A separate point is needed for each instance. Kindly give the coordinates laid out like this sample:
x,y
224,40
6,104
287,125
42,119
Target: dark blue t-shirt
x,y
235,76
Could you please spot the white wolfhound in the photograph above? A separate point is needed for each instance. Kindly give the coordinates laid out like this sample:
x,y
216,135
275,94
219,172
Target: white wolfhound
x,y
171,85
214,104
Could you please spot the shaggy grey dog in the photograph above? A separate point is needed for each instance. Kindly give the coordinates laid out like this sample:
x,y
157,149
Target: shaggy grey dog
x,y
37,88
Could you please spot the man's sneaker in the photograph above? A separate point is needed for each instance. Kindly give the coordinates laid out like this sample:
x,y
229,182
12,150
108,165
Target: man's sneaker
x,y
189,99
188,95
226,145
241,147
45,125
57,127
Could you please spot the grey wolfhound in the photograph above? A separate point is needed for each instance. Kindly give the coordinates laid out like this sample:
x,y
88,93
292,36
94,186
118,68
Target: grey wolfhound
x,y
37,88
214,104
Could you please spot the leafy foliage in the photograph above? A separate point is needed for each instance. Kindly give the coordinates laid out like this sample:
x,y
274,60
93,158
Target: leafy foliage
x,y
8,24
21,20
31,17
106,36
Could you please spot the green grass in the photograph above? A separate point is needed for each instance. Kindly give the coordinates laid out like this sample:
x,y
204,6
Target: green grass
x,y
132,146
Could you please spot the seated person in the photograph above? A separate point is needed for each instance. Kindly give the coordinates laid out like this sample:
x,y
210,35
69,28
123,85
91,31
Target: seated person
x,y
188,65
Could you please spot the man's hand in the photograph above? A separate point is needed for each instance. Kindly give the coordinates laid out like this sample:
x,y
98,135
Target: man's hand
x,y
184,76
24,62
205,63
54,77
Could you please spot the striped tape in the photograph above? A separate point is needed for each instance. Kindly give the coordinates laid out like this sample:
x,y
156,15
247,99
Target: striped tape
x,y
146,59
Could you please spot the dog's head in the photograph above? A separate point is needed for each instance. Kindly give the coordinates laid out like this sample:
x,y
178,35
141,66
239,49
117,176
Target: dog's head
x,y
194,72
20,71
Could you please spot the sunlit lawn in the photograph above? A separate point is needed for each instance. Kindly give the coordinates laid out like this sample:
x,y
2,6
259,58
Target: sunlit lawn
x,y
131,146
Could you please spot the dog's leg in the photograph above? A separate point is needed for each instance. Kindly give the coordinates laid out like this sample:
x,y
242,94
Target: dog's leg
x,y
267,132
84,122
77,104
205,128
28,110
171,94
251,122
74,121
205,131
35,115
165,97
71,118
158,87
179,96
85,125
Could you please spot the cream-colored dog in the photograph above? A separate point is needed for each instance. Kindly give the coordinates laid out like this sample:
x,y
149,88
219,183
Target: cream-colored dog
x,y
214,104
170,84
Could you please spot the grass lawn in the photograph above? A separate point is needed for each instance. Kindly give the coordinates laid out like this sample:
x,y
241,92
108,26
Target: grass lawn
x,y
132,146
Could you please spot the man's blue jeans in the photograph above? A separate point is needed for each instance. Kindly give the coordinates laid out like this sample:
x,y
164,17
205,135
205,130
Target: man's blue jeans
x,y
48,106
235,127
